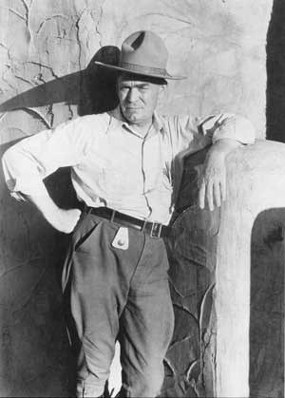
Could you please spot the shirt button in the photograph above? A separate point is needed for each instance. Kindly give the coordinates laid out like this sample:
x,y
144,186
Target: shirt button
x,y
120,242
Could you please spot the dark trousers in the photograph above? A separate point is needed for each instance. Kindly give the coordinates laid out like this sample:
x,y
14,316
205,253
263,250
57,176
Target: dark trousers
x,y
118,294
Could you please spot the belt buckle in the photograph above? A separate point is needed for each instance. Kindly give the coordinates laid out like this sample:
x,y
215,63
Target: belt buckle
x,y
155,231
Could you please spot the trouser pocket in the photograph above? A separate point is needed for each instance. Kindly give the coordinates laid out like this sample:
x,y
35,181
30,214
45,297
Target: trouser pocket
x,y
83,230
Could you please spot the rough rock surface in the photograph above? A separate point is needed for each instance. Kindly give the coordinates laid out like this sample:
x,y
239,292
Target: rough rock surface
x,y
47,76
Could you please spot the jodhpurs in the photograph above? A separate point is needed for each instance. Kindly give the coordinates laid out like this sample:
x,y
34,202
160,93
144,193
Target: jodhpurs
x,y
123,294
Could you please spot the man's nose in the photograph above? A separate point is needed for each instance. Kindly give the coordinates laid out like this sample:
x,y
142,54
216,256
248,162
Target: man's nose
x,y
132,95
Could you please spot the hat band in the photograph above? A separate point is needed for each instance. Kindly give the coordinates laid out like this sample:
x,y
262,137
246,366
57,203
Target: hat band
x,y
143,69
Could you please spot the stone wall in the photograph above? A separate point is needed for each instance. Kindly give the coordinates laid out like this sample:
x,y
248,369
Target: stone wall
x,y
227,281
47,76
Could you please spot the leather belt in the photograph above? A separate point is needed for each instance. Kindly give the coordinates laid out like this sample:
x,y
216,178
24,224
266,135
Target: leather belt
x,y
155,230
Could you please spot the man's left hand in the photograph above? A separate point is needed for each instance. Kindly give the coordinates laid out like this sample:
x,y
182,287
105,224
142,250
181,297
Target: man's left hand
x,y
212,188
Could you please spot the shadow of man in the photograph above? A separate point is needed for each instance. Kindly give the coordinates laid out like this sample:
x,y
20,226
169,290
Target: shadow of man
x,y
93,89
33,251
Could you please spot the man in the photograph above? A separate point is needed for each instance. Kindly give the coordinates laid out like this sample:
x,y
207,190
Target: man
x,y
124,165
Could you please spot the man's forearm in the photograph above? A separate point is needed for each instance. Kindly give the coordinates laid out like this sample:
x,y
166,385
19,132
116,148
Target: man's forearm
x,y
62,220
24,181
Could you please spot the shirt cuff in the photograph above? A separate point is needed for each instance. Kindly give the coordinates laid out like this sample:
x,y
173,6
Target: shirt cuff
x,y
230,126
21,187
236,128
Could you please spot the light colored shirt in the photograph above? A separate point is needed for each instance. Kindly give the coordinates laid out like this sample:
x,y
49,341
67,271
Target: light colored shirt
x,y
113,165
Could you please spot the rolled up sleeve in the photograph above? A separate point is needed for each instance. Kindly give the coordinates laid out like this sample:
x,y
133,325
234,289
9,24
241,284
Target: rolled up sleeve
x,y
21,173
27,163
229,126
192,134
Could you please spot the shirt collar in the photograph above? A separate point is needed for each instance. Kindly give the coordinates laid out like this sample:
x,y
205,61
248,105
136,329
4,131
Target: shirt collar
x,y
157,122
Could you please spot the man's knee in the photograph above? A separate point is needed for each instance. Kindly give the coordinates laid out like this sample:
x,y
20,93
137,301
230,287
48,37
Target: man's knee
x,y
146,382
89,390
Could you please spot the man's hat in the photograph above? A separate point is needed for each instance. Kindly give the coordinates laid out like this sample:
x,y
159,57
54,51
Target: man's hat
x,y
143,53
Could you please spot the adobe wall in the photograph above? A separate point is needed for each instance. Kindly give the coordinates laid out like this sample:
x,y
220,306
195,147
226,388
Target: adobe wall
x,y
219,45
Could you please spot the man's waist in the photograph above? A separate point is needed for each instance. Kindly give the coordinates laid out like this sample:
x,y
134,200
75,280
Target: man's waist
x,y
154,229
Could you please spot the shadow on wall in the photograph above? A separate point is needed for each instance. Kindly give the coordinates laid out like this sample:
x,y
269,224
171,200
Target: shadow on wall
x,y
96,93
188,370
276,73
267,305
35,359
34,351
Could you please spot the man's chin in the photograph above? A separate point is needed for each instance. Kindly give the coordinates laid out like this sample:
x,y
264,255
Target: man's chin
x,y
132,118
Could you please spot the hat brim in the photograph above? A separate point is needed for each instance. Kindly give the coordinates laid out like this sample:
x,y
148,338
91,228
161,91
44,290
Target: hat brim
x,y
166,75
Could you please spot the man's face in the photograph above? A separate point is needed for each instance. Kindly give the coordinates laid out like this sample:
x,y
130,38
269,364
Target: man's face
x,y
138,98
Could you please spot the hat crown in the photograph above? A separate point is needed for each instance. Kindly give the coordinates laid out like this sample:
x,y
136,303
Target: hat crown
x,y
143,53
144,49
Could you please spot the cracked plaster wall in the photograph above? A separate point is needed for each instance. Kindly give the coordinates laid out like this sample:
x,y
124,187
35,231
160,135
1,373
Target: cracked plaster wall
x,y
219,45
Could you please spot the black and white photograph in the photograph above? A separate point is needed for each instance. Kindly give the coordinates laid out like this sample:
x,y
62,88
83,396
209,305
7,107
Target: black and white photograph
x,y
142,221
